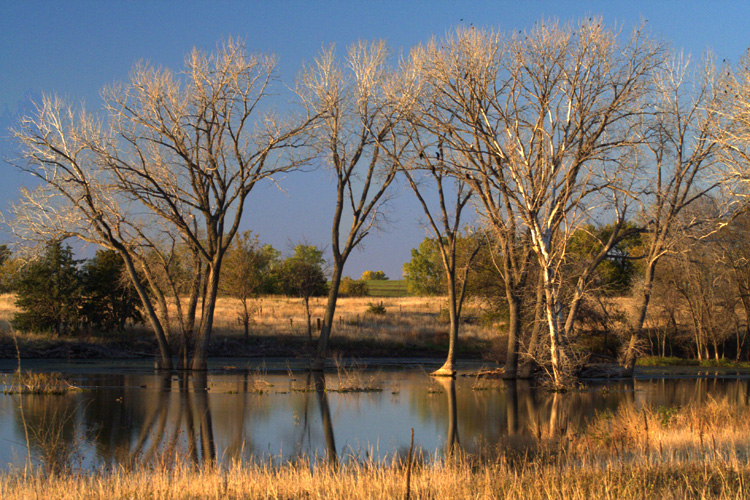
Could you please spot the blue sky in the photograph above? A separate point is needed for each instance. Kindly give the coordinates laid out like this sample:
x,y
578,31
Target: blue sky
x,y
73,49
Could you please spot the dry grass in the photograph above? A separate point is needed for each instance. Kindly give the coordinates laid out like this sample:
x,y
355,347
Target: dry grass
x,y
27,382
410,318
457,479
692,452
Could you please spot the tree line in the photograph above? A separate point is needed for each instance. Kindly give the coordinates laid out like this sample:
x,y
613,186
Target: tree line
x,y
567,141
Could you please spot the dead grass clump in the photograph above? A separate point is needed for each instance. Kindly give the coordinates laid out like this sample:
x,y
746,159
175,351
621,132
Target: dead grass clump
x,y
355,378
27,382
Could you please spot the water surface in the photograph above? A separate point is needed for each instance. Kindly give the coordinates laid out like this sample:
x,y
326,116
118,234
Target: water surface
x,y
133,416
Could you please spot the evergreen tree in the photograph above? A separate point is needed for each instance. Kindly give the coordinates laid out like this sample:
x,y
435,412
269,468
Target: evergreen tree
x,y
49,293
109,297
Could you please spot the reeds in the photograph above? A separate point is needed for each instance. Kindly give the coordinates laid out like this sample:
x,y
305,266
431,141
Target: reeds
x,y
27,382
453,479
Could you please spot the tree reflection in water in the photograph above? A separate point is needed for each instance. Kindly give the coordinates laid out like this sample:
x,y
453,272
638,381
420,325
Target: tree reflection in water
x,y
160,421
177,429
452,442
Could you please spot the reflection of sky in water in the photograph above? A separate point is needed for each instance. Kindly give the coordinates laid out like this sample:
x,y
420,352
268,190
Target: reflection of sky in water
x,y
140,417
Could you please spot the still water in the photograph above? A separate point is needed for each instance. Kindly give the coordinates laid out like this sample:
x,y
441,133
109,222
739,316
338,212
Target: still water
x,y
129,418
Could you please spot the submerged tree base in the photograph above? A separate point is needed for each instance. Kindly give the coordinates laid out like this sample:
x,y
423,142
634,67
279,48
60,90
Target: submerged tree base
x,y
444,371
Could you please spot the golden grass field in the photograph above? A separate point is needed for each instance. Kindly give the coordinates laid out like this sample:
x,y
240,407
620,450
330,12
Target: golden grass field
x,y
696,452
406,318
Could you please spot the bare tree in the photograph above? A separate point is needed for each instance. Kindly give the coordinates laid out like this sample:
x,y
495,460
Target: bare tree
x,y
681,154
359,101
444,223
538,120
173,155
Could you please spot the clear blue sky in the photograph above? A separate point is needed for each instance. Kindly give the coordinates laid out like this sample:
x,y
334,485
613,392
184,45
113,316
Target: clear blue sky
x,y
75,48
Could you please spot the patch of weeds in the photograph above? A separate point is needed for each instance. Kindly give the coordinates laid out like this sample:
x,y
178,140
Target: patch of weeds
x,y
355,378
667,414
39,383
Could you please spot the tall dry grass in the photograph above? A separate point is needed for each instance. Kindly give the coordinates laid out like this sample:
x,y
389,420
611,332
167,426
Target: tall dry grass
x,y
457,479
413,318
699,451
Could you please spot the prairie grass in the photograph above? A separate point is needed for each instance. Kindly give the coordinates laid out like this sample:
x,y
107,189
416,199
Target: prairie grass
x,y
404,317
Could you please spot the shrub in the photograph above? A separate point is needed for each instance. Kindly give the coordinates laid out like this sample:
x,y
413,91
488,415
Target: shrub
x,y
376,309
352,288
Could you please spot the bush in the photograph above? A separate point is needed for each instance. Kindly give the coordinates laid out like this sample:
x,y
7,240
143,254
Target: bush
x,y
352,288
376,309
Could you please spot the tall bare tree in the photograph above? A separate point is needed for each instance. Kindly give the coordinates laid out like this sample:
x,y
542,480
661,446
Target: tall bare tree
x,y
444,223
537,120
359,101
681,153
173,154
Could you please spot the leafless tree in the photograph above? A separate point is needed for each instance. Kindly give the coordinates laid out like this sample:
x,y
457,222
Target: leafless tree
x,y
172,156
680,159
444,223
538,121
359,100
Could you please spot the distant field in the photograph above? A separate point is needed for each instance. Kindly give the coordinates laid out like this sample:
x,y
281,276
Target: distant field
x,y
386,288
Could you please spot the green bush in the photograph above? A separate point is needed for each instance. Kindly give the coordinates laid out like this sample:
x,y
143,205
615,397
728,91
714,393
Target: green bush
x,y
376,309
352,288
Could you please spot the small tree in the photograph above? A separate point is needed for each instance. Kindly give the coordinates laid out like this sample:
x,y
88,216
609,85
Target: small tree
x,y
49,293
424,272
302,275
247,273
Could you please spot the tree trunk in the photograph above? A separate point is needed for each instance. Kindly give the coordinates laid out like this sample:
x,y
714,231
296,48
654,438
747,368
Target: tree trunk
x,y
514,335
164,361
203,339
318,364
554,327
528,365
639,318
449,369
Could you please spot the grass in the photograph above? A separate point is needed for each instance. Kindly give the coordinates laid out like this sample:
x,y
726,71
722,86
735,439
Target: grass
x,y
407,326
454,480
27,382
386,288
355,378
706,363
693,452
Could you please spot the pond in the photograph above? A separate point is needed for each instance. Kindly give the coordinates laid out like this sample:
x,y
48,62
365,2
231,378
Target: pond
x,y
127,415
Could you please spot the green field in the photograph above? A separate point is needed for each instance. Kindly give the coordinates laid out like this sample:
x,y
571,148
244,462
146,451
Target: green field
x,y
386,288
